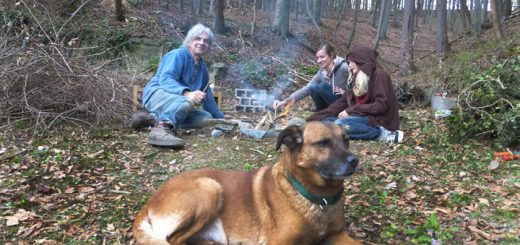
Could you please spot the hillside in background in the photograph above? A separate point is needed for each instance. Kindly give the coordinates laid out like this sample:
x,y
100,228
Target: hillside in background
x,y
238,47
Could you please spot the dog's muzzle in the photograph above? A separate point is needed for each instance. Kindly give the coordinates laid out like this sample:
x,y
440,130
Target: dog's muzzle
x,y
340,170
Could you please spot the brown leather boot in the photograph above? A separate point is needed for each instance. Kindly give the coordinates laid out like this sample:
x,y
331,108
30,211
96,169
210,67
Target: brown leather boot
x,y
163,135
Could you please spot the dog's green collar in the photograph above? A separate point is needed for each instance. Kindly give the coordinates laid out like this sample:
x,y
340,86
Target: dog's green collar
x,y
322,201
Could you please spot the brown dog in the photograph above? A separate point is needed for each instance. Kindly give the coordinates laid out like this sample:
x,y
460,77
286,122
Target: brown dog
x,y
297,201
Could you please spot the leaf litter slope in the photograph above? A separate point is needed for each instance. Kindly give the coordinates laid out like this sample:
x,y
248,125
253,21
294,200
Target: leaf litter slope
x,y
87,186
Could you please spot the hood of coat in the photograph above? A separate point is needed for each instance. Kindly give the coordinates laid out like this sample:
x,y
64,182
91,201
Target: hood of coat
x,y
364,57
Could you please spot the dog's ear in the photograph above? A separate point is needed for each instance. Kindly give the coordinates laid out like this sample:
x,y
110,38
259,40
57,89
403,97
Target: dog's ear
x,y
291,136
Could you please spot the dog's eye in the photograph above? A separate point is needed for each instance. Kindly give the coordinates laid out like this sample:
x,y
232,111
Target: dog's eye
x,y
323,143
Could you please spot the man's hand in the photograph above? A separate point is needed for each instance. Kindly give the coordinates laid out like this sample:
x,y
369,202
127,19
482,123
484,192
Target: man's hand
x,y
343,114
279,104
196,96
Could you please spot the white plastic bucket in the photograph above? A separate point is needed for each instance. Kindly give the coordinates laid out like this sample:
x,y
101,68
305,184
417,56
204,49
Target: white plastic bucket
x,y
440,102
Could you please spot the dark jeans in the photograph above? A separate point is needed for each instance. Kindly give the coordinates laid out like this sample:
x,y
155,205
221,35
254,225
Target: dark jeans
x,y
322,95
357,127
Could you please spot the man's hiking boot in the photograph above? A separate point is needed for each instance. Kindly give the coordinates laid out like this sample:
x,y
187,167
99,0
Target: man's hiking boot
x,y
163,135
142,120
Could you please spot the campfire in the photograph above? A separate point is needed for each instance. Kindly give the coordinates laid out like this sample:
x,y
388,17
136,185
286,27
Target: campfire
x,y
269,121
253,101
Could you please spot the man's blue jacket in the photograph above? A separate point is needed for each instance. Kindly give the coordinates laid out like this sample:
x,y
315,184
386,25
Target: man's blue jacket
x,y
176,75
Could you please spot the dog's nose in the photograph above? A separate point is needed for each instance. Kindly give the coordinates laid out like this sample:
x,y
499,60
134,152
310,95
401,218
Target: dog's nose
x,y
353,161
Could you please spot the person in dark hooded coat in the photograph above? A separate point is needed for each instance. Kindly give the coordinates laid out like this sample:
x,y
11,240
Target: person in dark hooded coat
x,y
368,109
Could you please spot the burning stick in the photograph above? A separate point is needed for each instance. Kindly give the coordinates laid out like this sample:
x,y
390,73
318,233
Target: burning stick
x,y
285,111
287,108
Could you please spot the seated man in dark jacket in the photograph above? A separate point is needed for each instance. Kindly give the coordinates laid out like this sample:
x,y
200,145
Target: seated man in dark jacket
x,y
368,109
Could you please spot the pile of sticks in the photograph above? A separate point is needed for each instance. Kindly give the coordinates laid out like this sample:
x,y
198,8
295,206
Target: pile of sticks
x,y
270,120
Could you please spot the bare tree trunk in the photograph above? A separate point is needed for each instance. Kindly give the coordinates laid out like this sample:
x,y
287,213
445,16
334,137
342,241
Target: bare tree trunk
x,y
118,7
466,15
201,7
427,11
407,66
485,12
192,7
265,5
281,18
354,24
386,13
269,10
430,16
296,8
451,14
383,22
349,4
508,7
495,11
396,9
197,7
373,12
212,8
463,20
418,12
342,14
311,16
448,12
254,19
477,18
140,4
442,33
218,24
316,11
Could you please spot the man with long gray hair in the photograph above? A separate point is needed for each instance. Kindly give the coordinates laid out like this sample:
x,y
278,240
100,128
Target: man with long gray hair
x,y
178,95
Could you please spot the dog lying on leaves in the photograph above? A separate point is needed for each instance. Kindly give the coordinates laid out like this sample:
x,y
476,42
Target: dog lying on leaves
x,y
297,201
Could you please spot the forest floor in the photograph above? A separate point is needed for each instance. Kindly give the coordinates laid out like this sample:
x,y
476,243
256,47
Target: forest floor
x,y
78,185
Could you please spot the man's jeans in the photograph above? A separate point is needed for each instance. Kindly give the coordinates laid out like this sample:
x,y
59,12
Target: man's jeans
x,y
175,109
322,95
356,127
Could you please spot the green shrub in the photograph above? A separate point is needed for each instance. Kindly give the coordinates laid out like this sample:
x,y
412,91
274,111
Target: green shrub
x,y
431,232
152,65
310,70
107,42
233,57
13,19
486,82
174,44
255,74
